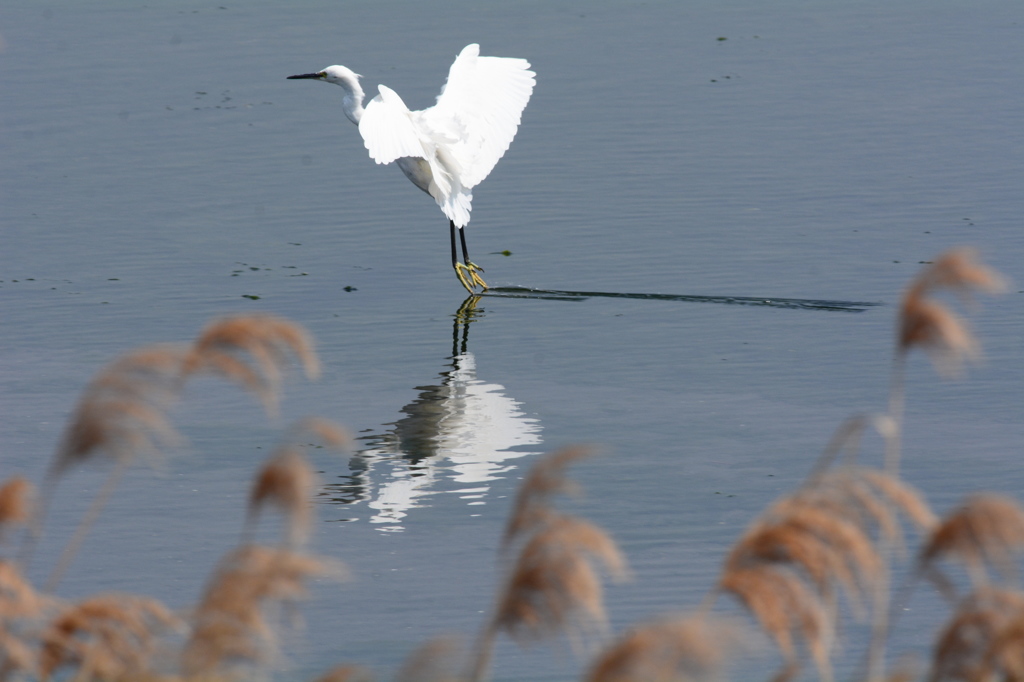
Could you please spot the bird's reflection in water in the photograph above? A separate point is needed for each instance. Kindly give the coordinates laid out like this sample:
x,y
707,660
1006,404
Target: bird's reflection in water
x,y
457,436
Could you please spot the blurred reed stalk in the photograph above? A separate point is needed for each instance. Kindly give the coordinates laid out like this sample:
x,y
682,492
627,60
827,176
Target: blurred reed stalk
x,y
926,323
252,351
21,609
811,547
106,637
984,638
121,415
231,628
985,532
286,481
670,649
553,586
123,411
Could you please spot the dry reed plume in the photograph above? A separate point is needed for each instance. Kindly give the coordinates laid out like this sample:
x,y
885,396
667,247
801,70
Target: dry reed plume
x,y
232,627
790,566
21,608
545,480
122,413
677,649
924,323
15,504
986,530
287,483
554,585
984,641
268,340
107,637
928,324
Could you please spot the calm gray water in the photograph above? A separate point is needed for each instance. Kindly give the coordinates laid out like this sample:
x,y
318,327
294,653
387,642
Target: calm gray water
x,y
158,170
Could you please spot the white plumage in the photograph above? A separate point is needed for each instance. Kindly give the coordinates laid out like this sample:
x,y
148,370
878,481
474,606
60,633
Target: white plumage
x,y
447,149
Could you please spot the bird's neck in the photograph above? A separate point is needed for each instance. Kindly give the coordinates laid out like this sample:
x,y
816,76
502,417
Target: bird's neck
x,y
353,102
353,107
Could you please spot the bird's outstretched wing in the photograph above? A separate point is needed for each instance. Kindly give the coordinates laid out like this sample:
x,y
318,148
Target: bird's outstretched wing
x,y
390,131
387,128
478,111
463,135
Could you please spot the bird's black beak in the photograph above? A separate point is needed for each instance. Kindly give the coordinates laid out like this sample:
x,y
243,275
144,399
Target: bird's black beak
x,y
305,75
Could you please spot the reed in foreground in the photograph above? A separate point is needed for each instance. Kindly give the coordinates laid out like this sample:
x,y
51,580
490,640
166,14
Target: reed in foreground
x,y
817,554
232,630
927,324
670,649
824,540
553,586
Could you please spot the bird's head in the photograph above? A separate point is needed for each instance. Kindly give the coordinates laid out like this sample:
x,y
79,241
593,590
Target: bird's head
x,y
337,74
349,81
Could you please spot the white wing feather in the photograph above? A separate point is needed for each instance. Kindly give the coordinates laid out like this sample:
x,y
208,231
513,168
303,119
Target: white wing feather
x,y
387,128
461,137
479,110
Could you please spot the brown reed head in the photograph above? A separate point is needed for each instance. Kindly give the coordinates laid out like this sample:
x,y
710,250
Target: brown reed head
x,y
123,411
826,550
874,501
788,611
15,502
266,340
788,568
546,479
672,649
231,627
555,586
286,481
984,640
21,609
960,272
107,637
987,530
18,599
932,326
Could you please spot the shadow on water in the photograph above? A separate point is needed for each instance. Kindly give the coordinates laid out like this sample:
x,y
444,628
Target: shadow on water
x,y
790,303
455,437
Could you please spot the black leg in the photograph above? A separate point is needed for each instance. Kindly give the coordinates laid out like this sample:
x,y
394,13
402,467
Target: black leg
x,y
455,258
465,253
467,272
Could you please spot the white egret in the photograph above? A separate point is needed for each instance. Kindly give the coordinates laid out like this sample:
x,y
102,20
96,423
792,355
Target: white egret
x,y
449,148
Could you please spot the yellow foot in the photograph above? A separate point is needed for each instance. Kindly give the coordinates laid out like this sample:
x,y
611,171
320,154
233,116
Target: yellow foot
x,y
468,274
